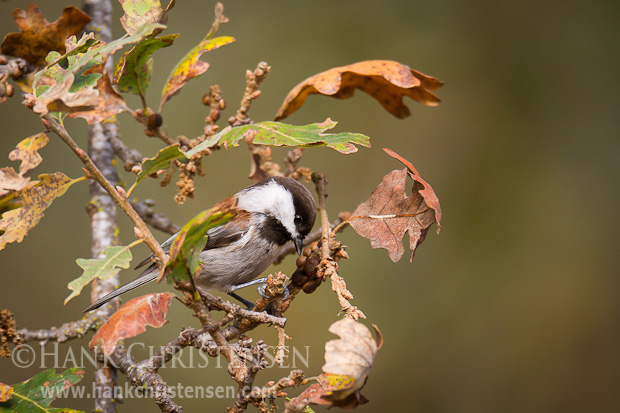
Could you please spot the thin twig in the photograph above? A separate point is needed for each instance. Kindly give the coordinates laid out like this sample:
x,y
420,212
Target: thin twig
x,y
120,201
65,332
153,218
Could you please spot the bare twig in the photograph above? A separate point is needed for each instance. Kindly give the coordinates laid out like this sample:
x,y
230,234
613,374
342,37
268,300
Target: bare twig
x,y
328,266
65,332
281,348
153,218
131,157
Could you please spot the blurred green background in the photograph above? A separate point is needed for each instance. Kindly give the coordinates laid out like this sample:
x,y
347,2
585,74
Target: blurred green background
x,y
513,307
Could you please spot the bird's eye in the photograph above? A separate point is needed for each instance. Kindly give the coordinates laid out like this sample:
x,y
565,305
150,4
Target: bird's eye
x,y
297,219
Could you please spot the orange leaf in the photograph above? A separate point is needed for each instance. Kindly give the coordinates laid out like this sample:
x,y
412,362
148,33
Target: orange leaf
x,y
386,81
38,37
132,318
389,213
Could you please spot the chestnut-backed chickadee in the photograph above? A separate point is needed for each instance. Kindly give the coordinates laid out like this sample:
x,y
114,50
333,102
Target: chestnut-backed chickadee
x,y
268,214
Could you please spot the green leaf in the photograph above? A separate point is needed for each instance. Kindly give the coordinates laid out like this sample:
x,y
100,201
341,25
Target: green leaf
x,y
132,72
36,197
69,81
162,160
190,66
116,257
282,134
37,393
190,241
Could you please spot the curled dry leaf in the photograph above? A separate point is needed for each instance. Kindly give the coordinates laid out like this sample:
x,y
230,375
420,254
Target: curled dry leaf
x,y
386,81
11,181
131,319
141,12
38,37
348,361
388,214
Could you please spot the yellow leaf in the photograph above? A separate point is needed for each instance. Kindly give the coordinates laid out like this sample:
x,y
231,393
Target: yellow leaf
x,y
36,197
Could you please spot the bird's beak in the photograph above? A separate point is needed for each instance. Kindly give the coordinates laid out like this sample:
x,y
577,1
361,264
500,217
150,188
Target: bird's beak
x,y
299,244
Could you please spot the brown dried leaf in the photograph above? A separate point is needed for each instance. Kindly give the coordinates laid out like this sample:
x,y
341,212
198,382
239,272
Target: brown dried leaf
x,y
348,361
38,37
106,104
131,319
389,213
11,181
386,81
141,12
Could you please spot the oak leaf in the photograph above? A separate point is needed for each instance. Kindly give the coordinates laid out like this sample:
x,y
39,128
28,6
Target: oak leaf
x,y
116,257
27,152
77,83
106,104
37,393
386,81
141,12
389,213
131,319
38,37
282,134
36,197
11,181
348,361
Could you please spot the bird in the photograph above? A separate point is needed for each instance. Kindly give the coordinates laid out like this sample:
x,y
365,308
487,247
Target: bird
x,y
267,215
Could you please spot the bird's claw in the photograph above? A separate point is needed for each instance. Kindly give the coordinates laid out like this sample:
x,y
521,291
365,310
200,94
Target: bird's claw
x,y
261,291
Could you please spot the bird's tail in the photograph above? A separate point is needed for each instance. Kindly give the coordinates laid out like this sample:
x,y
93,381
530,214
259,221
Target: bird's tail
x,y
146,278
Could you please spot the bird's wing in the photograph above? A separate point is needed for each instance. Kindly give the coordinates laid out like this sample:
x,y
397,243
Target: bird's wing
x,y
218,237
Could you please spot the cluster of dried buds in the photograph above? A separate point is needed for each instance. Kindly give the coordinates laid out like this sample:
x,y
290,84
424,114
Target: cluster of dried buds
x,y
307,275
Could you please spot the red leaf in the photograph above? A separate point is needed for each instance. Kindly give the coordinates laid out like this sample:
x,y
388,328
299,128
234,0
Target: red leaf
x,y
389,213
132,318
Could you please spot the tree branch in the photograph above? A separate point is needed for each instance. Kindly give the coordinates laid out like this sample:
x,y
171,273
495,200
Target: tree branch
x,y
109,188
65,332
